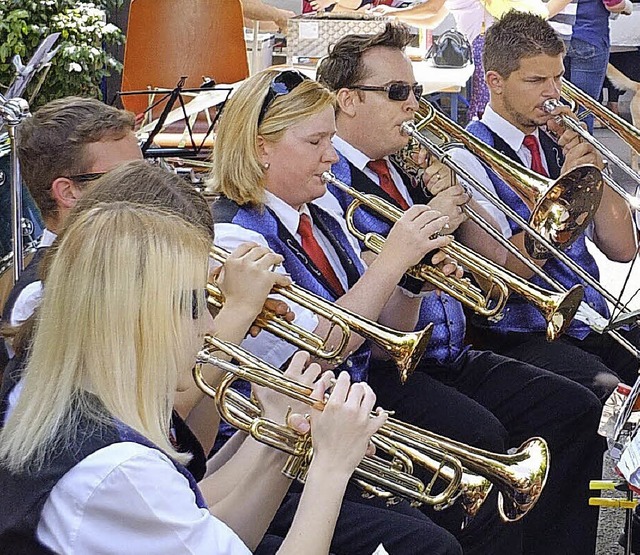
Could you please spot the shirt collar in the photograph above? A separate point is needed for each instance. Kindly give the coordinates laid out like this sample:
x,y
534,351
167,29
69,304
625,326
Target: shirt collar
x,y
358,158
289,216
47,239
508,132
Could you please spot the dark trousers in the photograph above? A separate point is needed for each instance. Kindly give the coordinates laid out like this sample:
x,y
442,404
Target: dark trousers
x,y
493,402
597,362
364,524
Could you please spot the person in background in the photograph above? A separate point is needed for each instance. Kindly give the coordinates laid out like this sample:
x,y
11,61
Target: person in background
x,y
472,19
588,51
258,10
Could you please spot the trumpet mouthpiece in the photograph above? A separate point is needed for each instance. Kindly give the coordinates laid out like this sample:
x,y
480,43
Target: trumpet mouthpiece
x,y
408,128
550,105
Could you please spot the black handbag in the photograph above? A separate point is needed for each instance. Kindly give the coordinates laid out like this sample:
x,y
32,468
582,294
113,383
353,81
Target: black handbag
x,y
450,50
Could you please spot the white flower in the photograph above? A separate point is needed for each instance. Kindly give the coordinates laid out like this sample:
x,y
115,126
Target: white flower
x,y
74,66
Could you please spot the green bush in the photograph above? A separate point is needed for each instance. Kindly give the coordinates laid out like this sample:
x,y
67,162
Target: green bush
x,y
81,61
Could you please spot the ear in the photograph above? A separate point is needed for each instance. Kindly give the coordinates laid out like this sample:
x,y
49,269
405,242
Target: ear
x,y
264,149
65,192
495,82
347,100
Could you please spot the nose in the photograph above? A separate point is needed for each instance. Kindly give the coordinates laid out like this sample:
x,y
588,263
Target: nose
x,y
330,154
552,89
411,104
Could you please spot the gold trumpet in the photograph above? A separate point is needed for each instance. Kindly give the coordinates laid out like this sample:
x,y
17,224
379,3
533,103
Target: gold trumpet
x,y
519,477
558,309
560,209
405,348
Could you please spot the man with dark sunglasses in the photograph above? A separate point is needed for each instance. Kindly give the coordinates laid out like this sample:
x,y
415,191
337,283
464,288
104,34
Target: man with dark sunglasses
x,y
68,144
375,89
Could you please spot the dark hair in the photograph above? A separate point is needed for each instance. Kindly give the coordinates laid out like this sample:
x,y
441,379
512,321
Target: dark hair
x,y
51,143
516,36
138,183
343,67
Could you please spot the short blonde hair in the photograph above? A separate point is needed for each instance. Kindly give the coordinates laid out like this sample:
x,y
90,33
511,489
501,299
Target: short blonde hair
x,y
115,321
237,172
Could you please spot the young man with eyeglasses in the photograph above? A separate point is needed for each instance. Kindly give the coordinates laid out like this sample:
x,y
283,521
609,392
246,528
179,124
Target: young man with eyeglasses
x,y
67,144
375,88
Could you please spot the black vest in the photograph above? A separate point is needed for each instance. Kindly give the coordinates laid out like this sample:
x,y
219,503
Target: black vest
x,y
24,496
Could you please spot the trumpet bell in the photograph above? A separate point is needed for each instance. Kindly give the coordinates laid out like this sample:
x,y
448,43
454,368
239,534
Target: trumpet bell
x,y
527,475
560,310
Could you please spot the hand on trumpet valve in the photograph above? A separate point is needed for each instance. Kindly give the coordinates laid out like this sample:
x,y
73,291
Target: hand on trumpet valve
x,y
282,409
416,233
246,277
273,306
341,433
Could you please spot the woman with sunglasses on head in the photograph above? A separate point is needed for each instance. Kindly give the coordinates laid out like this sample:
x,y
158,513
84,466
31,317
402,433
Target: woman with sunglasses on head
x,y
86,461
267,166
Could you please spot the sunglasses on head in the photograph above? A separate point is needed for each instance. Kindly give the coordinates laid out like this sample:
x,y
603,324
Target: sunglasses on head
x,y
395,91
282,84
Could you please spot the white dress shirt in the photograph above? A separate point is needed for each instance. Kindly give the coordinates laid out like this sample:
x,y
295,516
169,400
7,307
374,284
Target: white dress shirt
x,y
360,161
229,236
31,295
129,499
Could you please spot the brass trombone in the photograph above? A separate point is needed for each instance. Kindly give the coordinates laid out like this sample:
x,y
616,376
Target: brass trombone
x,y
405,348
519,477
560,209
444,128
558,309
627,132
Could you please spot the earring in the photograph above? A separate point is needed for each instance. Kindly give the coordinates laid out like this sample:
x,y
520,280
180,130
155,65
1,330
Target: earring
x,y
266,165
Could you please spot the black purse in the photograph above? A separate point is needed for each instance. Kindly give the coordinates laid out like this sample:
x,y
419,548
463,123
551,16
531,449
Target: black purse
x,y
450,50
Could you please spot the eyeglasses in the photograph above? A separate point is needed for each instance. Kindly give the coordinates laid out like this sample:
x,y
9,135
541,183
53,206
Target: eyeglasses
x,y
395,91
283,83
86,177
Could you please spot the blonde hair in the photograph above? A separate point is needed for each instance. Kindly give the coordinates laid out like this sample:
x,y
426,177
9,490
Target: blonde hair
x,y
115,322
237,171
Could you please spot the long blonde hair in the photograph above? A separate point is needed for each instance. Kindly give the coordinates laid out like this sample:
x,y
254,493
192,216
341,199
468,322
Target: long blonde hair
x,y
115,321
237,172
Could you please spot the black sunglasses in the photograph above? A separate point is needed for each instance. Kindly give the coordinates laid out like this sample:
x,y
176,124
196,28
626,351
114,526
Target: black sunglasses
x,y
283,83
395,91
86,177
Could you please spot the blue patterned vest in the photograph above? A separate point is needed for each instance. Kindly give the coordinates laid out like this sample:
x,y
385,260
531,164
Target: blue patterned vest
x,y
24,495
521,316
446,313
306,275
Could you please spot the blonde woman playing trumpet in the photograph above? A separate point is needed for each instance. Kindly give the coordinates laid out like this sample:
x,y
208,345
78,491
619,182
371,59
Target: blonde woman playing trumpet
x,y
86,462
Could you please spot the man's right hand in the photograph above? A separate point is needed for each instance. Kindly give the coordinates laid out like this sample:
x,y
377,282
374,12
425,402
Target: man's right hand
x,y
420,230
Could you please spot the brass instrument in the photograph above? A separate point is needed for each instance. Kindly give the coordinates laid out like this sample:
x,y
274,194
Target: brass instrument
x,y
560,209
615,123
543,242
558,309
519,477
405,348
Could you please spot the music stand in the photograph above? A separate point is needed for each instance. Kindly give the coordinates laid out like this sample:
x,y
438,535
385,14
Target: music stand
x,y
169,115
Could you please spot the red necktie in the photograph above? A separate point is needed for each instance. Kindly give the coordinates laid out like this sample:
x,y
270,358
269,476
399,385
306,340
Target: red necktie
x,y
531,142
381,169
317,255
